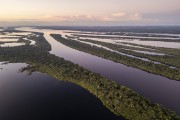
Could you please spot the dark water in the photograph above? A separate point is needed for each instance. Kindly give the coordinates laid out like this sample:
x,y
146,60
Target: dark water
x,y
157,88
40,97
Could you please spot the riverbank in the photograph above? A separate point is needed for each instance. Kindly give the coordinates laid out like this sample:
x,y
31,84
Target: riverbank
x,y
140,64
119,99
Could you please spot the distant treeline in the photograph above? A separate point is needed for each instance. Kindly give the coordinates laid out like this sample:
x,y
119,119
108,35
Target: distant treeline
x,y
136,29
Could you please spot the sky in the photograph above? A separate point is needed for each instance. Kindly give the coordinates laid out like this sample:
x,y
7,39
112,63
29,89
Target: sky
x,y
90,12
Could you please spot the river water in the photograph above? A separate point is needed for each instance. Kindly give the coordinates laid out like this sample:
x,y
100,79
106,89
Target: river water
x,y
41,97
154,87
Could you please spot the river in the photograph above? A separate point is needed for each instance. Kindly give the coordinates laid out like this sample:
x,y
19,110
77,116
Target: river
x,y
154,87
41,97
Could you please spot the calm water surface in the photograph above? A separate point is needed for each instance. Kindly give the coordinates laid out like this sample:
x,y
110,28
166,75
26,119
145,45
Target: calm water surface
x,y
40,97
157,88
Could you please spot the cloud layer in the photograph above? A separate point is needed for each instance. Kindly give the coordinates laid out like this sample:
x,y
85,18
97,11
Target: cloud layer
x,y
122,11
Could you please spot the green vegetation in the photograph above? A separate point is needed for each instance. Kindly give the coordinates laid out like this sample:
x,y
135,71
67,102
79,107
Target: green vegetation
x,y
119,99
171,58
127,37
169,51
133,62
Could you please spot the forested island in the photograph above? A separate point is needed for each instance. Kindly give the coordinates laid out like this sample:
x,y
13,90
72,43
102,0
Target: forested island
x,y
128,37
119,99
158,69
171,56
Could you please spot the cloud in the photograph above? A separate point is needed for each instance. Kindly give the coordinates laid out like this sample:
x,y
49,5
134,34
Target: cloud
x,y
136,17
105,18
72,18
119,14
123,16
116,17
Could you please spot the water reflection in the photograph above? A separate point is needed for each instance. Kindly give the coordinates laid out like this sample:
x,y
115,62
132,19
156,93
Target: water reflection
x,y
154,43
40,97
150,41
8,40
11,44
157,88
